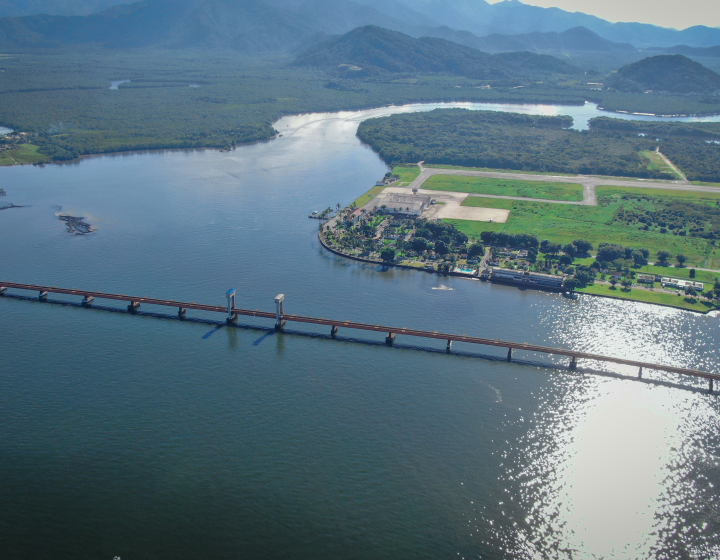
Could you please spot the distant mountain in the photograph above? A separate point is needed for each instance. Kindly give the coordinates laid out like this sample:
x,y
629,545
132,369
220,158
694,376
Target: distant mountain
x,y
371,50
577,39
713,52
512,17
18,8
285,25
666,73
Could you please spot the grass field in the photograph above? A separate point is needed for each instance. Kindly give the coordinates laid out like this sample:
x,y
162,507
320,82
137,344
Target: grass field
x,y
505,187
438,166
24,153
662,298
563,223
609,192
657,163
407,174
368,196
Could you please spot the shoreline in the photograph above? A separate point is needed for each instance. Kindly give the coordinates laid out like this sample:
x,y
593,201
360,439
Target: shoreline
x,y
450,273
508,101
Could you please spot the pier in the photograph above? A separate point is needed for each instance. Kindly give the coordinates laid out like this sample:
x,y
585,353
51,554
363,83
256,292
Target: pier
x,y
280,317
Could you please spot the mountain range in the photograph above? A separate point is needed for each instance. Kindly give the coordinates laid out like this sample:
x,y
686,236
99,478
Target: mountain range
x,y
270,25
372,50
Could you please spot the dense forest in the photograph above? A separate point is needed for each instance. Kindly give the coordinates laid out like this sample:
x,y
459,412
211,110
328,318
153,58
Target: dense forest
x,y
506,141
667,73
62,97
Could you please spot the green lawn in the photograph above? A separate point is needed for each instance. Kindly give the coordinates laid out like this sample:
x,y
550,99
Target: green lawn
x,y
407,174
563,223
500,170
24,153
657,163
605,191
368,196
663,298
505,187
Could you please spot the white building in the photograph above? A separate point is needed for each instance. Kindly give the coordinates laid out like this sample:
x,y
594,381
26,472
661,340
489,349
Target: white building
x,y
408,204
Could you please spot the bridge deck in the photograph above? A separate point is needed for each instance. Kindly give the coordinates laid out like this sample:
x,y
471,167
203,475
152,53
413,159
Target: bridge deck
x,y
367,327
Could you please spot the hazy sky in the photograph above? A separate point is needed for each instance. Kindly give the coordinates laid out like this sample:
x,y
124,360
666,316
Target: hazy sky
x,y
667,13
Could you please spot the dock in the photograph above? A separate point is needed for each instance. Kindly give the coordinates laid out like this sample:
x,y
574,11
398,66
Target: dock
x,y
280,318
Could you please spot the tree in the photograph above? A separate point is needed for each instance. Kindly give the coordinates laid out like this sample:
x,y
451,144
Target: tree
x,y
638,258
419,244
645,253
570,284
565,259
570,249
583,247
613,281
475,250
680,258
663,256
692,292
532,254
692,273
626,283
441,248
387,254
610,252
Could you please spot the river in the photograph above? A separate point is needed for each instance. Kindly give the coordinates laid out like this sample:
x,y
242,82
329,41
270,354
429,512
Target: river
x,y
147,438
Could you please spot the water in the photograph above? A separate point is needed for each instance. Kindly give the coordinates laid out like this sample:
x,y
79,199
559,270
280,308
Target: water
x,y
4,130
143,437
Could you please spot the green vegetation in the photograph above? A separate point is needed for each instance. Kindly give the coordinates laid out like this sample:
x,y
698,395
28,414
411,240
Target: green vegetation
x,y
614,220
368,196
505,187
646,296
22,154
506,141
371,51
406,174
657,163
666,73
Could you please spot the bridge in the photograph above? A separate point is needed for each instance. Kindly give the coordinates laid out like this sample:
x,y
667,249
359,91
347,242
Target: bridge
x,y
232,312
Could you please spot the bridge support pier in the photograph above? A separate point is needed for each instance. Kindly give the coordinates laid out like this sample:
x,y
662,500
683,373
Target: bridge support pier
x,y
133,307
390,339
42,296
231,316
181,313
573,364
509,356
333,331
87,300
280,311
448,348
640,374
710,385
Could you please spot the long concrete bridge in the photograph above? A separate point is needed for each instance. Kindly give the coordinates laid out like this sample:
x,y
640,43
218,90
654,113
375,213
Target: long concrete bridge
x,y
231,313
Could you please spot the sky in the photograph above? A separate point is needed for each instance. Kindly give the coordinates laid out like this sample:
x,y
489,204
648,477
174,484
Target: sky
x,y
666,13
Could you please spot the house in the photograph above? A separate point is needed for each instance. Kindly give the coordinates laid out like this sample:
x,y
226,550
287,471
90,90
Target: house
x,y
646,278
681,284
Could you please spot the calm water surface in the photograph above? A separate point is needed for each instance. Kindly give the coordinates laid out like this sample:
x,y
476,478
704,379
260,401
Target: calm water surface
x,y
147,438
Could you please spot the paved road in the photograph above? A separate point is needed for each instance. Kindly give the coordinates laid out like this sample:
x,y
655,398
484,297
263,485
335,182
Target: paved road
x,y
588,183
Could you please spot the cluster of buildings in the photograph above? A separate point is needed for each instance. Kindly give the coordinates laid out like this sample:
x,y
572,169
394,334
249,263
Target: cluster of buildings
x,y
667,282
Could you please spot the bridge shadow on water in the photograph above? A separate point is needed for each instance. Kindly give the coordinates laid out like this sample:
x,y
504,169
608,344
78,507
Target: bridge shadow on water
x,y
270,331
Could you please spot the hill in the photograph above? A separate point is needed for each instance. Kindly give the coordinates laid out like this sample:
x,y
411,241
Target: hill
x,y
665,73
371,50
712,52
577,39
18,8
